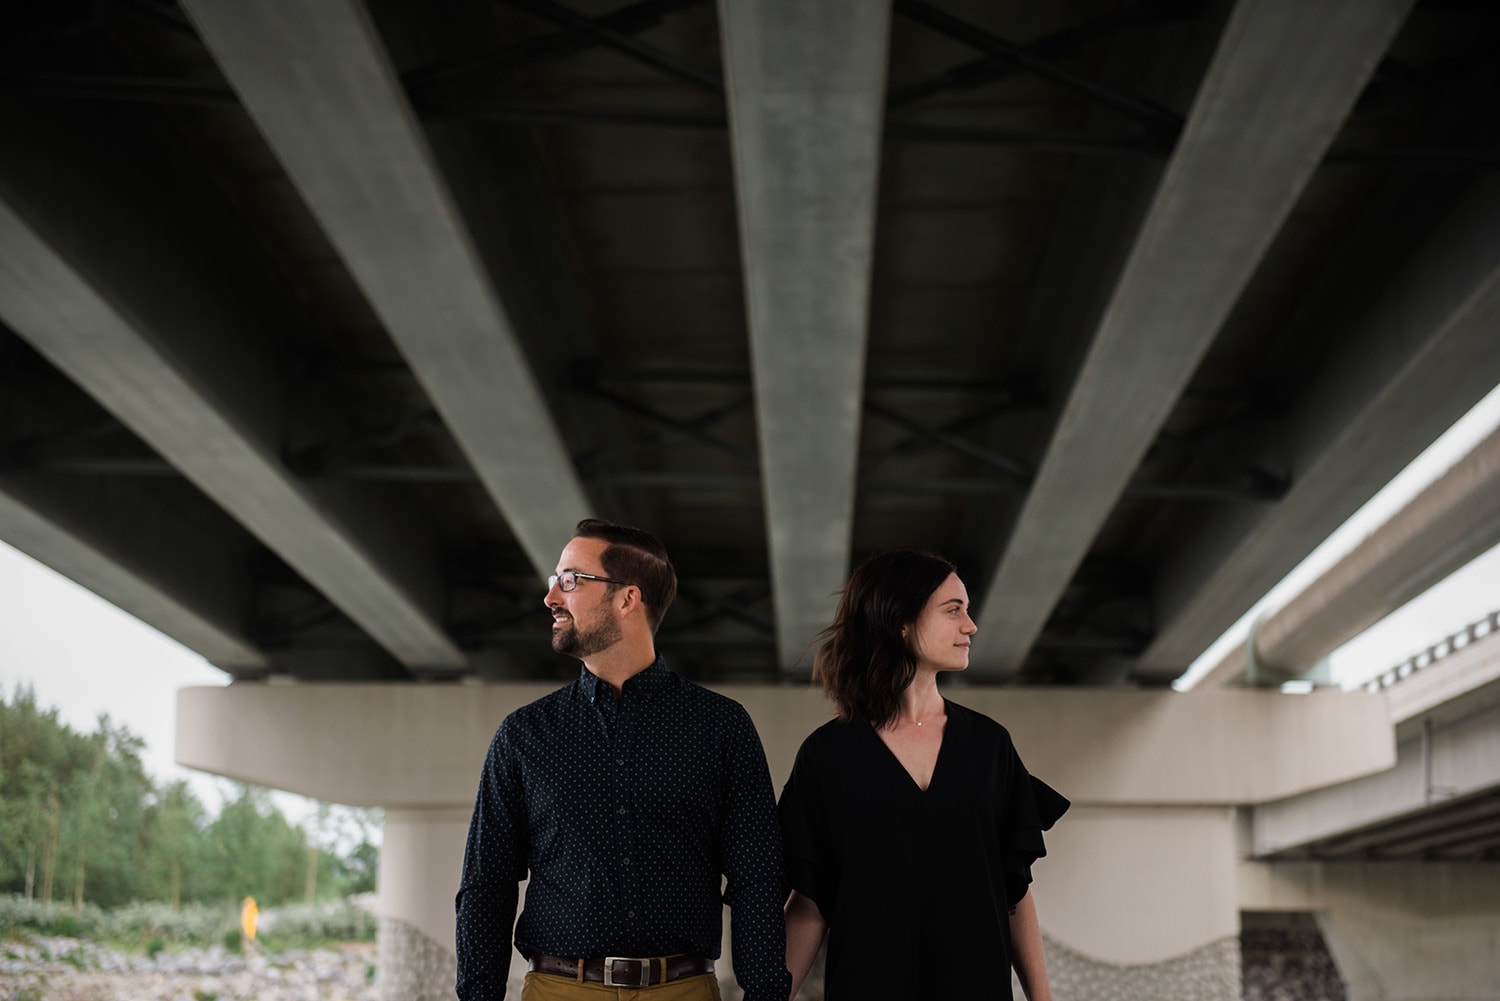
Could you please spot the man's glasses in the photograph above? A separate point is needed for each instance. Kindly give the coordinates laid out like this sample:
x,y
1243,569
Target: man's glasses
x,y
568,580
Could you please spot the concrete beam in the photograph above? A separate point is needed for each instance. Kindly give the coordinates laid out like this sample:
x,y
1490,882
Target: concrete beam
x,y
421,747
1278,90
1099,216
1461,758
1450,523
1425,355
1121,747
416,747
116,294
806,87
320,87
185,582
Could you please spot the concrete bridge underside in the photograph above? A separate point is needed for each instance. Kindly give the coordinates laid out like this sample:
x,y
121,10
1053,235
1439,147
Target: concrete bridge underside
x,y
321,324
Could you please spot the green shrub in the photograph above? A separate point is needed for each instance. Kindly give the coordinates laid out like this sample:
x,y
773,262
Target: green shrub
x,y
19,916
152,927
137,924
307,925
12,915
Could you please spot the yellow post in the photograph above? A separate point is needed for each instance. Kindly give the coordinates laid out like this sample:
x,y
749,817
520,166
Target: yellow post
x,y
249,915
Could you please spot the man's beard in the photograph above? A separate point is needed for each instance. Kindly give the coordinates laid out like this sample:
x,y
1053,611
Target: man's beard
x,y
585,643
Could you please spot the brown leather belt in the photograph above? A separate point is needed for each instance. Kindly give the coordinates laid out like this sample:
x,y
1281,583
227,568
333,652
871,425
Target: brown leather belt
x,y
616,971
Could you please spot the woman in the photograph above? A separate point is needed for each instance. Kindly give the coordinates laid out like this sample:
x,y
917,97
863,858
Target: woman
x,y
909,822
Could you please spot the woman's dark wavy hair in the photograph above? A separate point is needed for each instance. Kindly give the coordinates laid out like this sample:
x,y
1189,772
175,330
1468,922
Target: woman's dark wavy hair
x,y
635,555
863,661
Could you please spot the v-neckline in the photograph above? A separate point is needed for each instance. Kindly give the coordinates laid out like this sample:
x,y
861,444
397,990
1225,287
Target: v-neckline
x,y
937,761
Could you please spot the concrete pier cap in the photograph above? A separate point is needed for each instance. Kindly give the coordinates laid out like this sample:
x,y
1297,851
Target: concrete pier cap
x,y
1150,846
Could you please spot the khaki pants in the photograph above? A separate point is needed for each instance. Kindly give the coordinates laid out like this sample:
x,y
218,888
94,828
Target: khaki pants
x,y
550,987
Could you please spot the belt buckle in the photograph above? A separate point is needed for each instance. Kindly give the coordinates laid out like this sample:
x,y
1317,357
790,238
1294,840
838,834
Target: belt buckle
x,y
643,971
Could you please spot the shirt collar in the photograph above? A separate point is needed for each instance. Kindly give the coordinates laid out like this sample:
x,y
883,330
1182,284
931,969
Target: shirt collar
x,y
652,679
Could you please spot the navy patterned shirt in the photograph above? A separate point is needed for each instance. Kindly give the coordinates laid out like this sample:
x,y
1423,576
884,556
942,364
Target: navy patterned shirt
x,y
625,814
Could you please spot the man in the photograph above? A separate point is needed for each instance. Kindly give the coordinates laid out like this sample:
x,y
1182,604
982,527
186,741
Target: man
x,y
627,795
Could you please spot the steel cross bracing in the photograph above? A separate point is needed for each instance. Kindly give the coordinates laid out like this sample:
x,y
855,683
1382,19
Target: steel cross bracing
x,y
439,91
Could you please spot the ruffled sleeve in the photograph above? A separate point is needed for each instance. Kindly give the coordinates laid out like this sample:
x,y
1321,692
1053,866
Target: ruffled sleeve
x,y
804,835
1034,807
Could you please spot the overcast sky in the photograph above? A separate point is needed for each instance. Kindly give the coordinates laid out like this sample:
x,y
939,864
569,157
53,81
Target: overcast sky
x,y
86,657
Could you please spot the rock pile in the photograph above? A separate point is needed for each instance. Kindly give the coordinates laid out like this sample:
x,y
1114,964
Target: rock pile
x,y
1289,964
64,969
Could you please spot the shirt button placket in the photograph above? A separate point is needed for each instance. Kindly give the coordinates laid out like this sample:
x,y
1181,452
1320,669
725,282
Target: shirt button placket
x,y
625,812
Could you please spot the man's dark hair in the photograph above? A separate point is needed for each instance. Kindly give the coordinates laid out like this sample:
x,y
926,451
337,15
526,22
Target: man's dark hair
x,y
639,557
864,661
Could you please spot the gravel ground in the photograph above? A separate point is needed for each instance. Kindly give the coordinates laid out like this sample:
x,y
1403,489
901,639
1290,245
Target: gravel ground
x,y
61,969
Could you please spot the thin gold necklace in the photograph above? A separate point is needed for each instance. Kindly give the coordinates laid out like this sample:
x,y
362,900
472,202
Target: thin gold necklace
x,y
924,722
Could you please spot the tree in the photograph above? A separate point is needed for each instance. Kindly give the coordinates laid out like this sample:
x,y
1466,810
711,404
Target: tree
x,y
80,817
256,852
349,859
102,822
176,826
40,758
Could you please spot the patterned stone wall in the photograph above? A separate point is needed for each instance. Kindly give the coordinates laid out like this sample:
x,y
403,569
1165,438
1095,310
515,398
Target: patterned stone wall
x,y
1283,958
1211,973
410,966
1279,964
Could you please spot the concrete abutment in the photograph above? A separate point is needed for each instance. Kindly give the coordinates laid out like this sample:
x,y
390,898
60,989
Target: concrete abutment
x,y
1140,896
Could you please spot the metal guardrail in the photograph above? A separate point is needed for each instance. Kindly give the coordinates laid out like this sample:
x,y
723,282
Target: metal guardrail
x,y
1445,647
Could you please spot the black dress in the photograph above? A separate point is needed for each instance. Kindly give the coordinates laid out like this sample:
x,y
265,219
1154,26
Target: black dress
x,y
916,886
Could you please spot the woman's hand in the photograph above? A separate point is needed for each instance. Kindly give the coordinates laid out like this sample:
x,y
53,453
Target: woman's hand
x,y
1026,953
805,929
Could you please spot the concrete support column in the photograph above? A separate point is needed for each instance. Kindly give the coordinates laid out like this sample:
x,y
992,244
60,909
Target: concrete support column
x,y
1140,904
418,860
1421,931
